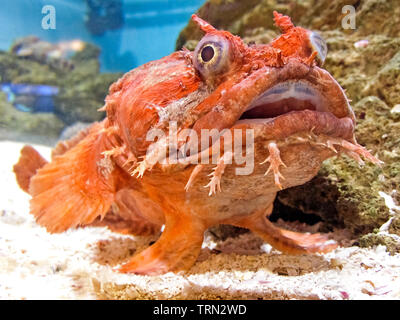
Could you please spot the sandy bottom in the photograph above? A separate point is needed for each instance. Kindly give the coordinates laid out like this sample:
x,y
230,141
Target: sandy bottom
x,y
79,264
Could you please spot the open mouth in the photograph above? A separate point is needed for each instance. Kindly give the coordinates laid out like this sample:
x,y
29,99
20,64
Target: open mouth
x,y
315,103
297,111
283,98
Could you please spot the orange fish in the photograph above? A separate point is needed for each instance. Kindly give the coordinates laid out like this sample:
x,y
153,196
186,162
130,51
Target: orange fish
x,y
274,102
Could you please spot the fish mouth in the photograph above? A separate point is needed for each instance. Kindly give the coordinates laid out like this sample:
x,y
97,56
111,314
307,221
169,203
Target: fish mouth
x,y
284,97
312,109
291,104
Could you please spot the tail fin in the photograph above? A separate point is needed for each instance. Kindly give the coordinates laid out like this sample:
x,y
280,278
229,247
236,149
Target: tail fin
x,y
29,162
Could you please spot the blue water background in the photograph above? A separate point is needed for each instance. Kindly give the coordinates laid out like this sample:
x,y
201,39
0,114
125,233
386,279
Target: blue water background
x,y
150,30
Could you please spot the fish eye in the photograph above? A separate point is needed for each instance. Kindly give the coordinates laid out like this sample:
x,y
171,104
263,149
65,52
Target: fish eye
x,y
212,55
207,53
318,44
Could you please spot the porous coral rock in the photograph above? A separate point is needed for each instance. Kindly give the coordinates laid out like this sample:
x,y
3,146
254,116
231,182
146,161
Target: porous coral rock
x,y
14,122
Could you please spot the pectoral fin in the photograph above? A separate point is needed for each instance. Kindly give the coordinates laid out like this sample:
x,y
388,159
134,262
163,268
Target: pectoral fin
x,y
75,187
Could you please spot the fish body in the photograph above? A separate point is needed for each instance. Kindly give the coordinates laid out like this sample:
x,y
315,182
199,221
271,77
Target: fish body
x,y
272,115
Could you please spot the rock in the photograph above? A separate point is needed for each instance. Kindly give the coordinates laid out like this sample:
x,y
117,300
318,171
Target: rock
x,y
84,88
378,17
342,194
81,90
374,239
54,55
20,70
386,83
357,68
394,226
12,120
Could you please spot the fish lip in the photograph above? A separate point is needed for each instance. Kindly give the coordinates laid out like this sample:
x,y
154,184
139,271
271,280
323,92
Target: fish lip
x,y
331,96
295,122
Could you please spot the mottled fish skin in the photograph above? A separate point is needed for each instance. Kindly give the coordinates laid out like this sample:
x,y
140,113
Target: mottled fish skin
x,y
112,174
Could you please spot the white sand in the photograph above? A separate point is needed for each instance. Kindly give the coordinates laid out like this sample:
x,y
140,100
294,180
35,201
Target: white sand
x,y
78,264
